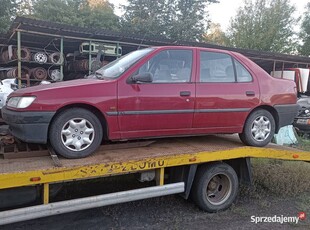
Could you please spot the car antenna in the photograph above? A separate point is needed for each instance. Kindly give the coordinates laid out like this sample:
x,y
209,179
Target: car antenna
x,y
141,41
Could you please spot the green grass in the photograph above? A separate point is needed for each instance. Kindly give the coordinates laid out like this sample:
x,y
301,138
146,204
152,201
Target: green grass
x,y
303,143
281,177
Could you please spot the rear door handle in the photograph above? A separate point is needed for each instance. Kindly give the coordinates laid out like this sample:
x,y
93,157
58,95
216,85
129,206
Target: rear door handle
x,y
250,93
185,93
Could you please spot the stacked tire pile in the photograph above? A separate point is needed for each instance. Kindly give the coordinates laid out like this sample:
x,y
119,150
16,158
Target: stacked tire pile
x,y
80,68
83,65
36,65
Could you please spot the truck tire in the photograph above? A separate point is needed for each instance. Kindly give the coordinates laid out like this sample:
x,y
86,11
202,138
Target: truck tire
x,y
75,133
215,187
258,129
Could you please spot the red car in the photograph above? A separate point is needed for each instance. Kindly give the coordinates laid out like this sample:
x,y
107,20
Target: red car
x,y
155,92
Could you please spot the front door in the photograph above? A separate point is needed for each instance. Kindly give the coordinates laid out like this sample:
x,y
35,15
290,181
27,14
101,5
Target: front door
x,y
163,107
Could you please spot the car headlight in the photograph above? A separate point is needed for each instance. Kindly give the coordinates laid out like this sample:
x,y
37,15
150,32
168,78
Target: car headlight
x,y
20,102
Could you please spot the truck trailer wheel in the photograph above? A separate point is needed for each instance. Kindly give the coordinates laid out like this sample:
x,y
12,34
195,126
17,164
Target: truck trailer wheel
x,y
75,133
215,187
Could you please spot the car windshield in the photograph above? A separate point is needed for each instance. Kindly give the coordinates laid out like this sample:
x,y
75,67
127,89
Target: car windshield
x,y
119,66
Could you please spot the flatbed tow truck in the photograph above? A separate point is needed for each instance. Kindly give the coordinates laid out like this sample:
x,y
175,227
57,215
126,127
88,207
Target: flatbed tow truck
x,y
209,168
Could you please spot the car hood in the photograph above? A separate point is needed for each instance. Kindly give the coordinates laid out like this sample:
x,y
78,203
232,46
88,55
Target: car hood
x,y
58,85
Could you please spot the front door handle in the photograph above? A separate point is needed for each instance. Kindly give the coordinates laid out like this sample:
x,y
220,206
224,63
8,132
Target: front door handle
x,y
185,93
250,93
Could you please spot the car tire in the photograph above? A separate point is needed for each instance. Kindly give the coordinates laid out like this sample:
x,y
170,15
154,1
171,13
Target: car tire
x,y
258,129
215,187
75,133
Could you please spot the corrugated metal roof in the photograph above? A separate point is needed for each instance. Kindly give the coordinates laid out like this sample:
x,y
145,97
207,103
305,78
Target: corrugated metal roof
x,y
264,59
69,30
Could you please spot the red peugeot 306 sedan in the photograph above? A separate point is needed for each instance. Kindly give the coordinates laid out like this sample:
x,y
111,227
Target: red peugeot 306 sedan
x,y
155,92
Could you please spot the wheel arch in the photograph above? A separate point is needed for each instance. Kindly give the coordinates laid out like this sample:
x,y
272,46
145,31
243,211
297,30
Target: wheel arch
x,y
242,167
273,112
91,108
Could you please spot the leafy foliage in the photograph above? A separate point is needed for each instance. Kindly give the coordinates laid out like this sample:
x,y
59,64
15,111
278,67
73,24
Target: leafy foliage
x,y
99,16
24,7
259,24
305,33
144,16
215,35
175,19
189,20
264,25
77,12
7,13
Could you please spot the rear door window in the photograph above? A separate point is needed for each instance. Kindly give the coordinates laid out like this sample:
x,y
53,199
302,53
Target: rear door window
x,y
216,67
221,67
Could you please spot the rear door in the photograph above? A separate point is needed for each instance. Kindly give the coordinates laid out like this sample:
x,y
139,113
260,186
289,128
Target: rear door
x,y
165,106
226,92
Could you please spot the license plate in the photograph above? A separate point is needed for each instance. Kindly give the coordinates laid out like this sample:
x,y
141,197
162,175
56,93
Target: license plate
x,y
302,121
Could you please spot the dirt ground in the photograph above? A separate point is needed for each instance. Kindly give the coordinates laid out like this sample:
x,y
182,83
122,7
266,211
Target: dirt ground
x,y
172,212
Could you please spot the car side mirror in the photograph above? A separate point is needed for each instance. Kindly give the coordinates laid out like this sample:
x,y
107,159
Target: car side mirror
x,y
146,77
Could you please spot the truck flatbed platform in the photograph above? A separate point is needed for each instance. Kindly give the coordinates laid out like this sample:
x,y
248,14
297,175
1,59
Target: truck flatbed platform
x,y
160,154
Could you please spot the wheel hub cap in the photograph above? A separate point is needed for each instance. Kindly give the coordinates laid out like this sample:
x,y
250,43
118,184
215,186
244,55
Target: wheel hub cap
x,y
261,128
219,189
77,134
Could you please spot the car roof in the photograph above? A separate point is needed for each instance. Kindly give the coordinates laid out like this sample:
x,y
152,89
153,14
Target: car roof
x,y
194,47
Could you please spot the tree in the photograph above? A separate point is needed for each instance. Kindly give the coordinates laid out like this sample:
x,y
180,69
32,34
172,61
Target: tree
x,y
304,49
189,19
7,14
216,35
61,11
264,25
85,13
25,7
98,14
174,19
145,17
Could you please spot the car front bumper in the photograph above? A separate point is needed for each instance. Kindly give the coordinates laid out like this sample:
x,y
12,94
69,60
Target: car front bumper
x,y
31,127
286,114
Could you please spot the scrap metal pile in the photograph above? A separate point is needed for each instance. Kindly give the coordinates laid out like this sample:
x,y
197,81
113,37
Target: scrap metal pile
x,y
39,64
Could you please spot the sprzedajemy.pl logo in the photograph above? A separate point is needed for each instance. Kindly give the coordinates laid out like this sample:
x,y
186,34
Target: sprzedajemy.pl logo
x,y
278,219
